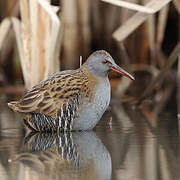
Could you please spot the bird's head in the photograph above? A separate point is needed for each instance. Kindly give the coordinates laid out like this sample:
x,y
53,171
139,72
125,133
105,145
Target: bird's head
x,y
100,63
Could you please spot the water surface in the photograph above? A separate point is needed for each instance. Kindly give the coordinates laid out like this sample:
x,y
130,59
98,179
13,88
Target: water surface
x,y
127,144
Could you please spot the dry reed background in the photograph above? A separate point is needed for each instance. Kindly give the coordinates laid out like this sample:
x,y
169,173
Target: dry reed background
x,y
45,35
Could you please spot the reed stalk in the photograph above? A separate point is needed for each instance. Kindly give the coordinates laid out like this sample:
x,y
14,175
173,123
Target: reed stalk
x,y
37,36
135,21
76,33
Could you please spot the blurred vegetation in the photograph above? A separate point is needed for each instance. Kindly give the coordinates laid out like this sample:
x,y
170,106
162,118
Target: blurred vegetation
x,y
40,37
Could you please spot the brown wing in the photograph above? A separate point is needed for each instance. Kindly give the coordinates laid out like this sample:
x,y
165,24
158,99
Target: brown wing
x,y
49,96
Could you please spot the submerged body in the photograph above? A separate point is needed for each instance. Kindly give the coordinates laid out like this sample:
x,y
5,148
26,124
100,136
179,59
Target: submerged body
x,y
70,100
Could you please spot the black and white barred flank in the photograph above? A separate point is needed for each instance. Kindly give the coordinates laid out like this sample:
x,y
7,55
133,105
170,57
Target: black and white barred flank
x,y
64,121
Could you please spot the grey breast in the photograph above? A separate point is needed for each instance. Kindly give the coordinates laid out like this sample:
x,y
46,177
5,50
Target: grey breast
x,y
91,112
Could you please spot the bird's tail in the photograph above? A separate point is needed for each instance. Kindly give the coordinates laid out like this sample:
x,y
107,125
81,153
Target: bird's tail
x,y
13,105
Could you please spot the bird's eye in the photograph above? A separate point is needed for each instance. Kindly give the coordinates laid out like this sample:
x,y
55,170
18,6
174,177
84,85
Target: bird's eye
x,y
104,61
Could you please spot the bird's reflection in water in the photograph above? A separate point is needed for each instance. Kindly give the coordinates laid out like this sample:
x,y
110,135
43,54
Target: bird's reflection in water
x,y
76,155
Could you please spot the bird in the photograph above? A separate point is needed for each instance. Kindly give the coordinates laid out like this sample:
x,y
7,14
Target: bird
x,y
70,100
